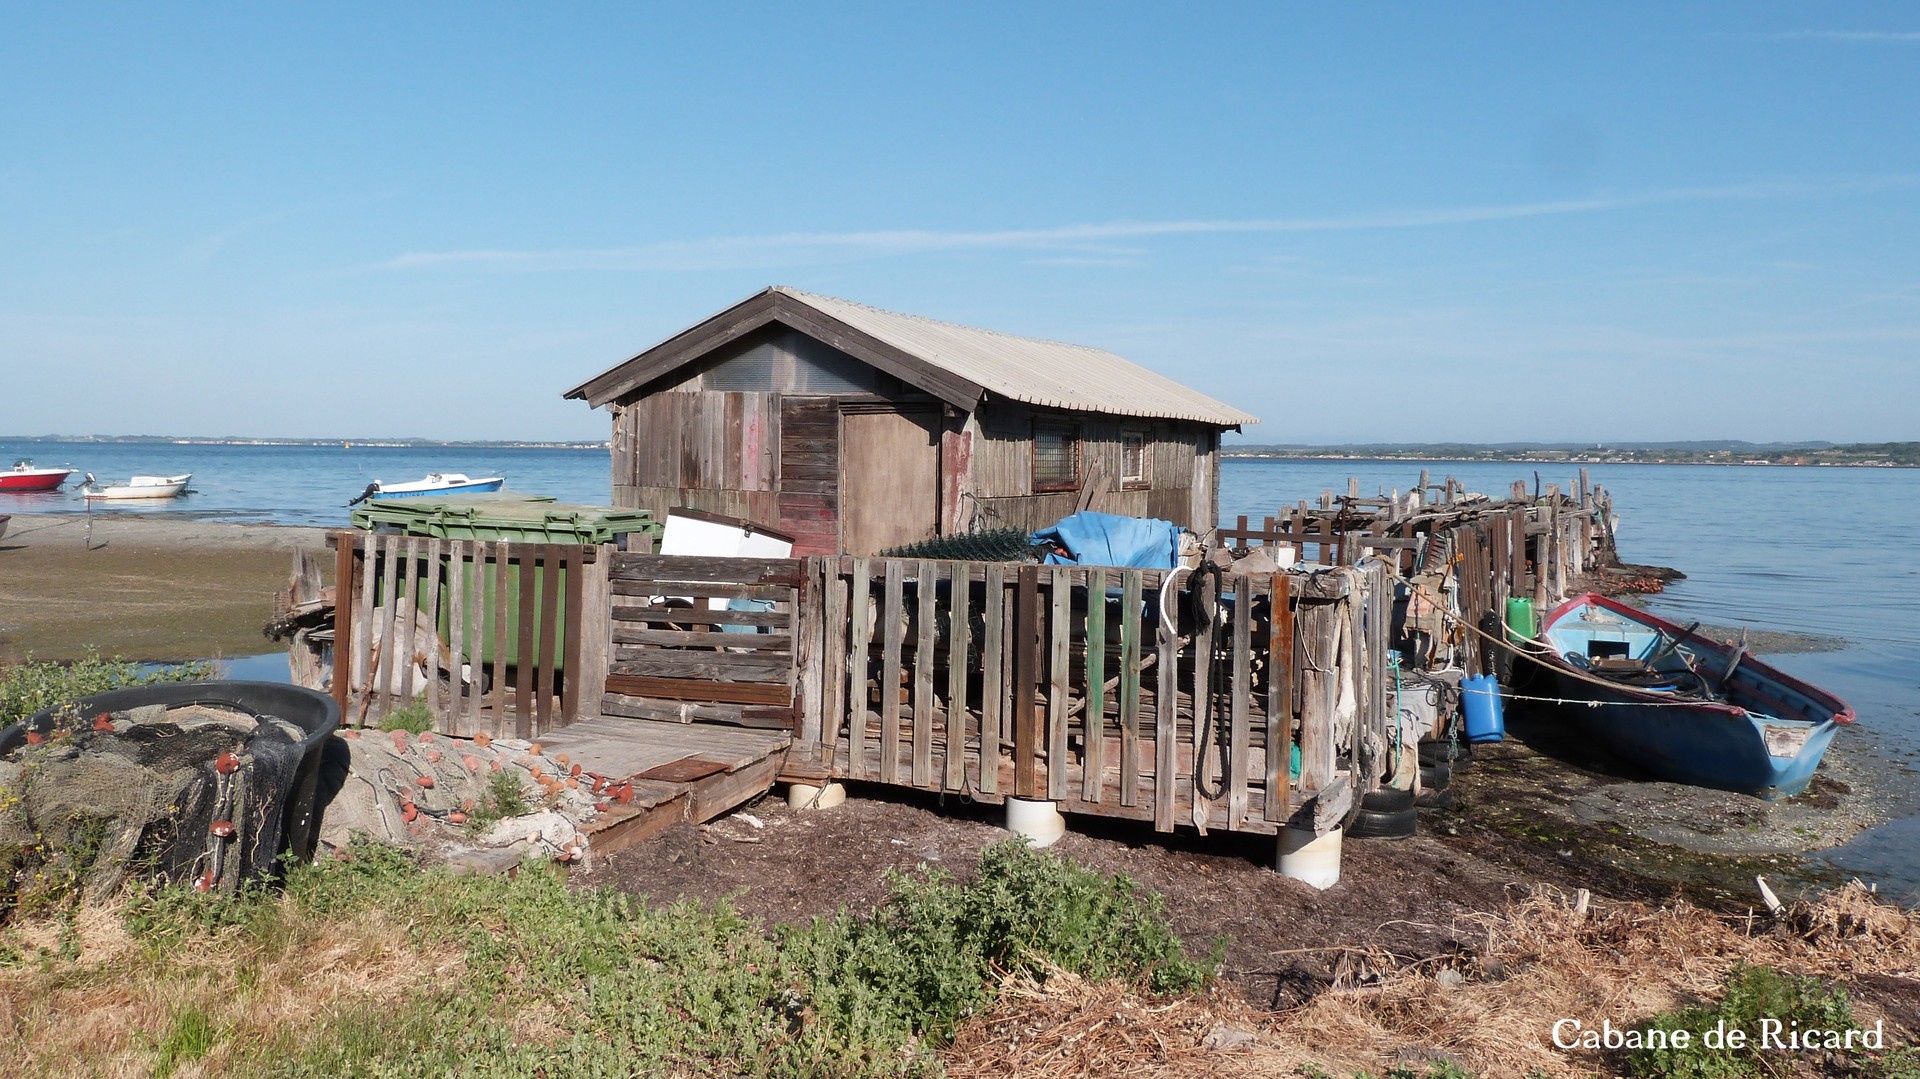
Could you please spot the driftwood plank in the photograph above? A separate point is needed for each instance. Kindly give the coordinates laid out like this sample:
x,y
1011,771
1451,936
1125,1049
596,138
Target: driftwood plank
x,y
1093,720
576,660
501,568
346,580
1059,670
693,569
720,666
1027,723
435,556
700,689
525,660
1130,626
926,588
953,747
1280,693
993,685
546,661
892,615
648,588
860,643
805,665
387,613
407,591
1166,707
833,657
1240,751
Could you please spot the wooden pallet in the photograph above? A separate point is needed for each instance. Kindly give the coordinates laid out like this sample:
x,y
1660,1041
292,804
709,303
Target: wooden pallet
x,y
679,771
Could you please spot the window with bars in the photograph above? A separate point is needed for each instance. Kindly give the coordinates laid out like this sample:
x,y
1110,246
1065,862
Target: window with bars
x,y
1056,456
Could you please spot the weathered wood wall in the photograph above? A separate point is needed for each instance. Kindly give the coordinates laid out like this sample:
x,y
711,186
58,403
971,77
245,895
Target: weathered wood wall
x,y
1181,484
773,454
704,639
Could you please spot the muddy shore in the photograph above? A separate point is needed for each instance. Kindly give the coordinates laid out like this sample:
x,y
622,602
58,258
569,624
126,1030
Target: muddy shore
x,y
162,589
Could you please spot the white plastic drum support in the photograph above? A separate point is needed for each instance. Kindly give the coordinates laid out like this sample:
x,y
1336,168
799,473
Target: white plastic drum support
x,y
1305,857
1037,822
804,796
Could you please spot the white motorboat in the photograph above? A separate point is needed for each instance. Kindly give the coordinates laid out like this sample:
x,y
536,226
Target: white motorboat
x,y
436,483
137,487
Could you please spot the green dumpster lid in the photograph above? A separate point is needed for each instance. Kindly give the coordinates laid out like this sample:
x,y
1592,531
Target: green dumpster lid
x,y
503,512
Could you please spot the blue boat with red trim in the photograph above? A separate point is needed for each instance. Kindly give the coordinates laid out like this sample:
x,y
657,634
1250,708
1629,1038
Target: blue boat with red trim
x,y
1684,706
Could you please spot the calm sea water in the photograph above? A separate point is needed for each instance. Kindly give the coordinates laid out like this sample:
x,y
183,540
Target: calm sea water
x,y
1821,550
303,485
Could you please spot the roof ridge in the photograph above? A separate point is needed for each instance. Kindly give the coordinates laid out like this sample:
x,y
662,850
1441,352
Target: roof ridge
x,y
802,294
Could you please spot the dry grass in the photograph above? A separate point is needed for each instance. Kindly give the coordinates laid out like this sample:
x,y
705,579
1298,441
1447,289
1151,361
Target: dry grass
x,y
108,1012
1537,962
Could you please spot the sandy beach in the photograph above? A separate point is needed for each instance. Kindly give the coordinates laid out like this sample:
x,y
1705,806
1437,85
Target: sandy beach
x,y
141,587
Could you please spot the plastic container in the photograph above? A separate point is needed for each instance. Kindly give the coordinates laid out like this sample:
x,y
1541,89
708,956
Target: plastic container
x,y
515,518
1522,625
291,828
1308,858
1480,701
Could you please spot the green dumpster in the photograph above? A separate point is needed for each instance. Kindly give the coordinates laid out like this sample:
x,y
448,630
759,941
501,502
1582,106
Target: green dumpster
x,y
515,518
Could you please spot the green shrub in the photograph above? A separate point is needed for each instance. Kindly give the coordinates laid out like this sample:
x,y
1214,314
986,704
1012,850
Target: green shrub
x,y
931,956
412,717
1752,994
30,687
618,986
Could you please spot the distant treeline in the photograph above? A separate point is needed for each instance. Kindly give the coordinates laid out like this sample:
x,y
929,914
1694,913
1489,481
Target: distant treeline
x,y
1724,452
237,440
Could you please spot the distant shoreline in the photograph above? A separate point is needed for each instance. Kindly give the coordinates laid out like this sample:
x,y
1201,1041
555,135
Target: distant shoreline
x,y
1576,461
312,443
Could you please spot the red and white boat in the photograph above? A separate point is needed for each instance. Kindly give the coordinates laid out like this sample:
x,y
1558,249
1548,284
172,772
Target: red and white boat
x,y
24,477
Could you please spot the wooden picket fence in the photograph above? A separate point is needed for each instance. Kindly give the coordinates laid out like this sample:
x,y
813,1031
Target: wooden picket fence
x,y
501,637
1087,686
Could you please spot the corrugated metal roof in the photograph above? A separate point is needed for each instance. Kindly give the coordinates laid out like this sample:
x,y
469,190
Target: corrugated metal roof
x,y
1047,373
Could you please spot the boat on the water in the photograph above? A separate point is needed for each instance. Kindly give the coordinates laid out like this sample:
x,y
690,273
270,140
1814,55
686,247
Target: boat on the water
x,y
137,487
436,483
24,477
1684,706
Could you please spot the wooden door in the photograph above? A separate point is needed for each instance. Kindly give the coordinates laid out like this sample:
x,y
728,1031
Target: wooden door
x,y
889,478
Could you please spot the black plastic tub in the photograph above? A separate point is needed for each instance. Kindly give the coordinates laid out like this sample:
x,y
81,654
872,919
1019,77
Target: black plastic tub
x,y
292,823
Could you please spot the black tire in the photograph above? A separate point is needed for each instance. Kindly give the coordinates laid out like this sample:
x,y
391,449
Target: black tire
x,y
1432,753
1368,824
1386,800
1435,777
1434,799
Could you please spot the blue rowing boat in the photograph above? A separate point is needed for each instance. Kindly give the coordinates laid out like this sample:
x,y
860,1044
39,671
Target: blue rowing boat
x,y
1683,706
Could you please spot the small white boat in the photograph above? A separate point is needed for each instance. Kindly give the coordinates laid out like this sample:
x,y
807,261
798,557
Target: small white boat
x,y
436,483
138,487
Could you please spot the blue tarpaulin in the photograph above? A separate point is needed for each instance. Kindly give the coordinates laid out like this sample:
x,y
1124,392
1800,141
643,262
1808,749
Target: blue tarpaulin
x,y
1106,539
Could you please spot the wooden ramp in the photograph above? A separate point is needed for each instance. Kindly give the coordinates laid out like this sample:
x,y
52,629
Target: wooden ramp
x,y
679,771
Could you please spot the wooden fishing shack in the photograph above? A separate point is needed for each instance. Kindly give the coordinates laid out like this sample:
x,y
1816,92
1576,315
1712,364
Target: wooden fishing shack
x,y
858,430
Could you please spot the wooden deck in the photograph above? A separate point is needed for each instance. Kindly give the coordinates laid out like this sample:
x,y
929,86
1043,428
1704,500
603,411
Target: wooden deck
x,y
680,772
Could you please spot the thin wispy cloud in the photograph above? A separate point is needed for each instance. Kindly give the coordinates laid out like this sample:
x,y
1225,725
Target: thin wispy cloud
x,y
783,249
1893,37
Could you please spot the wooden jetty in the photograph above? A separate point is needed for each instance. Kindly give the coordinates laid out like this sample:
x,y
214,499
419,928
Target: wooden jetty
x,y
1211,698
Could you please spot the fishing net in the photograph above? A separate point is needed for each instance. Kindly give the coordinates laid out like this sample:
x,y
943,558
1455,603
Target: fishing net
x,y
195,792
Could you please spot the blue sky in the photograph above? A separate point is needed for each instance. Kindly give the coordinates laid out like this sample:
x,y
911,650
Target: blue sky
x,y
1406,223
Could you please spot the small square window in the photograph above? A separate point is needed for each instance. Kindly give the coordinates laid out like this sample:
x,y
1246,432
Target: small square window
x,y
1056,457
1133,459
